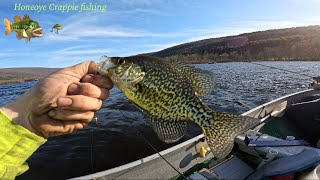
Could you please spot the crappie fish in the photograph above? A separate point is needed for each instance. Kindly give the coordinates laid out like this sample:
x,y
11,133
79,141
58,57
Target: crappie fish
x,y
25,27
168,93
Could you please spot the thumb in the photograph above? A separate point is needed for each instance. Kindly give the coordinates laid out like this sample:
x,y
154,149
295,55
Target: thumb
x,y
79,70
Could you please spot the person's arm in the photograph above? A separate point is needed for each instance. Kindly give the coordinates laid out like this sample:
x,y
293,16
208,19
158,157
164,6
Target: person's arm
x,y
16,145
59,104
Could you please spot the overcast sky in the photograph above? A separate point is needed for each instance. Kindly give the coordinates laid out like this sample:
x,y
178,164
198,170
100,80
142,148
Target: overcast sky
x,y
131,27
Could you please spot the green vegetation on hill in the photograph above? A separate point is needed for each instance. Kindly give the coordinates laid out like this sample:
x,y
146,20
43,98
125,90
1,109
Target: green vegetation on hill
x,y
301,43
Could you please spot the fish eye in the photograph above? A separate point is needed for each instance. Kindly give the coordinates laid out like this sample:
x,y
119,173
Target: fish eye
x,y
121,61
32,26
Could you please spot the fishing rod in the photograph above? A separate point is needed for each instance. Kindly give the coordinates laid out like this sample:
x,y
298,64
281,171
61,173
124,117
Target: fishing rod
x,y
150,145
315,78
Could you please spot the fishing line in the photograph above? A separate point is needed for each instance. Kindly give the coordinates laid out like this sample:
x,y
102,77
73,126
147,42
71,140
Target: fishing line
x,y
281,69
149,144
91,151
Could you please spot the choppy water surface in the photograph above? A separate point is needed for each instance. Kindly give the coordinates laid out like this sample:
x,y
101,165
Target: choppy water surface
x,y
113,142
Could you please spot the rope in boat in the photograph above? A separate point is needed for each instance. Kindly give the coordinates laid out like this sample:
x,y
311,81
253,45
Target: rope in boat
x,y
286,70
150,145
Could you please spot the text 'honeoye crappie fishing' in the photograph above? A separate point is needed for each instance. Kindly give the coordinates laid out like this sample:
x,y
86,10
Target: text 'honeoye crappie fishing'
x,y
61,7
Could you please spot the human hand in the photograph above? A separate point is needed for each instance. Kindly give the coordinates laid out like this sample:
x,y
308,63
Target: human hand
x,y
62,102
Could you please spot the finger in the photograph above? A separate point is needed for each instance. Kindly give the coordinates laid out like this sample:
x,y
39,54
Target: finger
x,y
69,115
46,126
88,89
79,103
58,127
98,80
79,70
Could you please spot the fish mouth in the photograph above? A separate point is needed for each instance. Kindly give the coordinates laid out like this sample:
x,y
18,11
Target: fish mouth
x,y
104,64
105,67
37,32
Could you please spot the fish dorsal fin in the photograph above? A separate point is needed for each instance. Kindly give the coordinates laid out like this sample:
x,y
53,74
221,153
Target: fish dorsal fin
x,y
203,81
168,131
17,19
26,17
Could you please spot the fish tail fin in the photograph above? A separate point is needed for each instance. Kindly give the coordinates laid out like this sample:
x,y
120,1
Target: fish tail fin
x,y
225,127
8,26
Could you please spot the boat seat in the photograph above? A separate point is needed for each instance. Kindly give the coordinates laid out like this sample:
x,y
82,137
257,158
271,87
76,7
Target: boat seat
x,y
277,143
279,151
288,165
277,160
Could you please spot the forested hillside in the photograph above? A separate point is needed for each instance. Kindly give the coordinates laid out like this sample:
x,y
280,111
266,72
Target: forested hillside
x,y
301,43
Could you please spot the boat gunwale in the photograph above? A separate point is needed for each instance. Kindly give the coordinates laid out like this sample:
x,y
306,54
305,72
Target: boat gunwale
x,y
178,146
275,100
140,161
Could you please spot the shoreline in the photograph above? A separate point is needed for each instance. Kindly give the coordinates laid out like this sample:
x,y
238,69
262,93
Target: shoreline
x,y
18,75
14,81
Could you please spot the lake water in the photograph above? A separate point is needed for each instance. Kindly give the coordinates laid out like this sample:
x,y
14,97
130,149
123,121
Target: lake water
x,y
114,141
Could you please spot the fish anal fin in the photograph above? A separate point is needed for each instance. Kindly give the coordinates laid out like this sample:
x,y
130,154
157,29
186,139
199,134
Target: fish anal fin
x,y
8,26
203,81
17,19
27,39
19,35
168,131
220,135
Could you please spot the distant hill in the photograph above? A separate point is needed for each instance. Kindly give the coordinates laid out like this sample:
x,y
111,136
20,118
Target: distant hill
x,y
300,43
14,75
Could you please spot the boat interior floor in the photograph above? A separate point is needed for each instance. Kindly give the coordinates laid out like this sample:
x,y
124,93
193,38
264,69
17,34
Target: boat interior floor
x,y
282,146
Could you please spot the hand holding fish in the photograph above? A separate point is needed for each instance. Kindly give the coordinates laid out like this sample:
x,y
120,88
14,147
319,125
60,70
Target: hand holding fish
x,y
62,102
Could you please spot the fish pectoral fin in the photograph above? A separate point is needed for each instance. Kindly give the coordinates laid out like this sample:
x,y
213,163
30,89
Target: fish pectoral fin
x,y
137,106
168,131
24,34
203,81
17,19
19,35
220,135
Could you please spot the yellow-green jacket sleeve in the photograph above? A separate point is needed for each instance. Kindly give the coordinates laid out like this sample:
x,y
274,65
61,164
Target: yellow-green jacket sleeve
x,y
16,145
